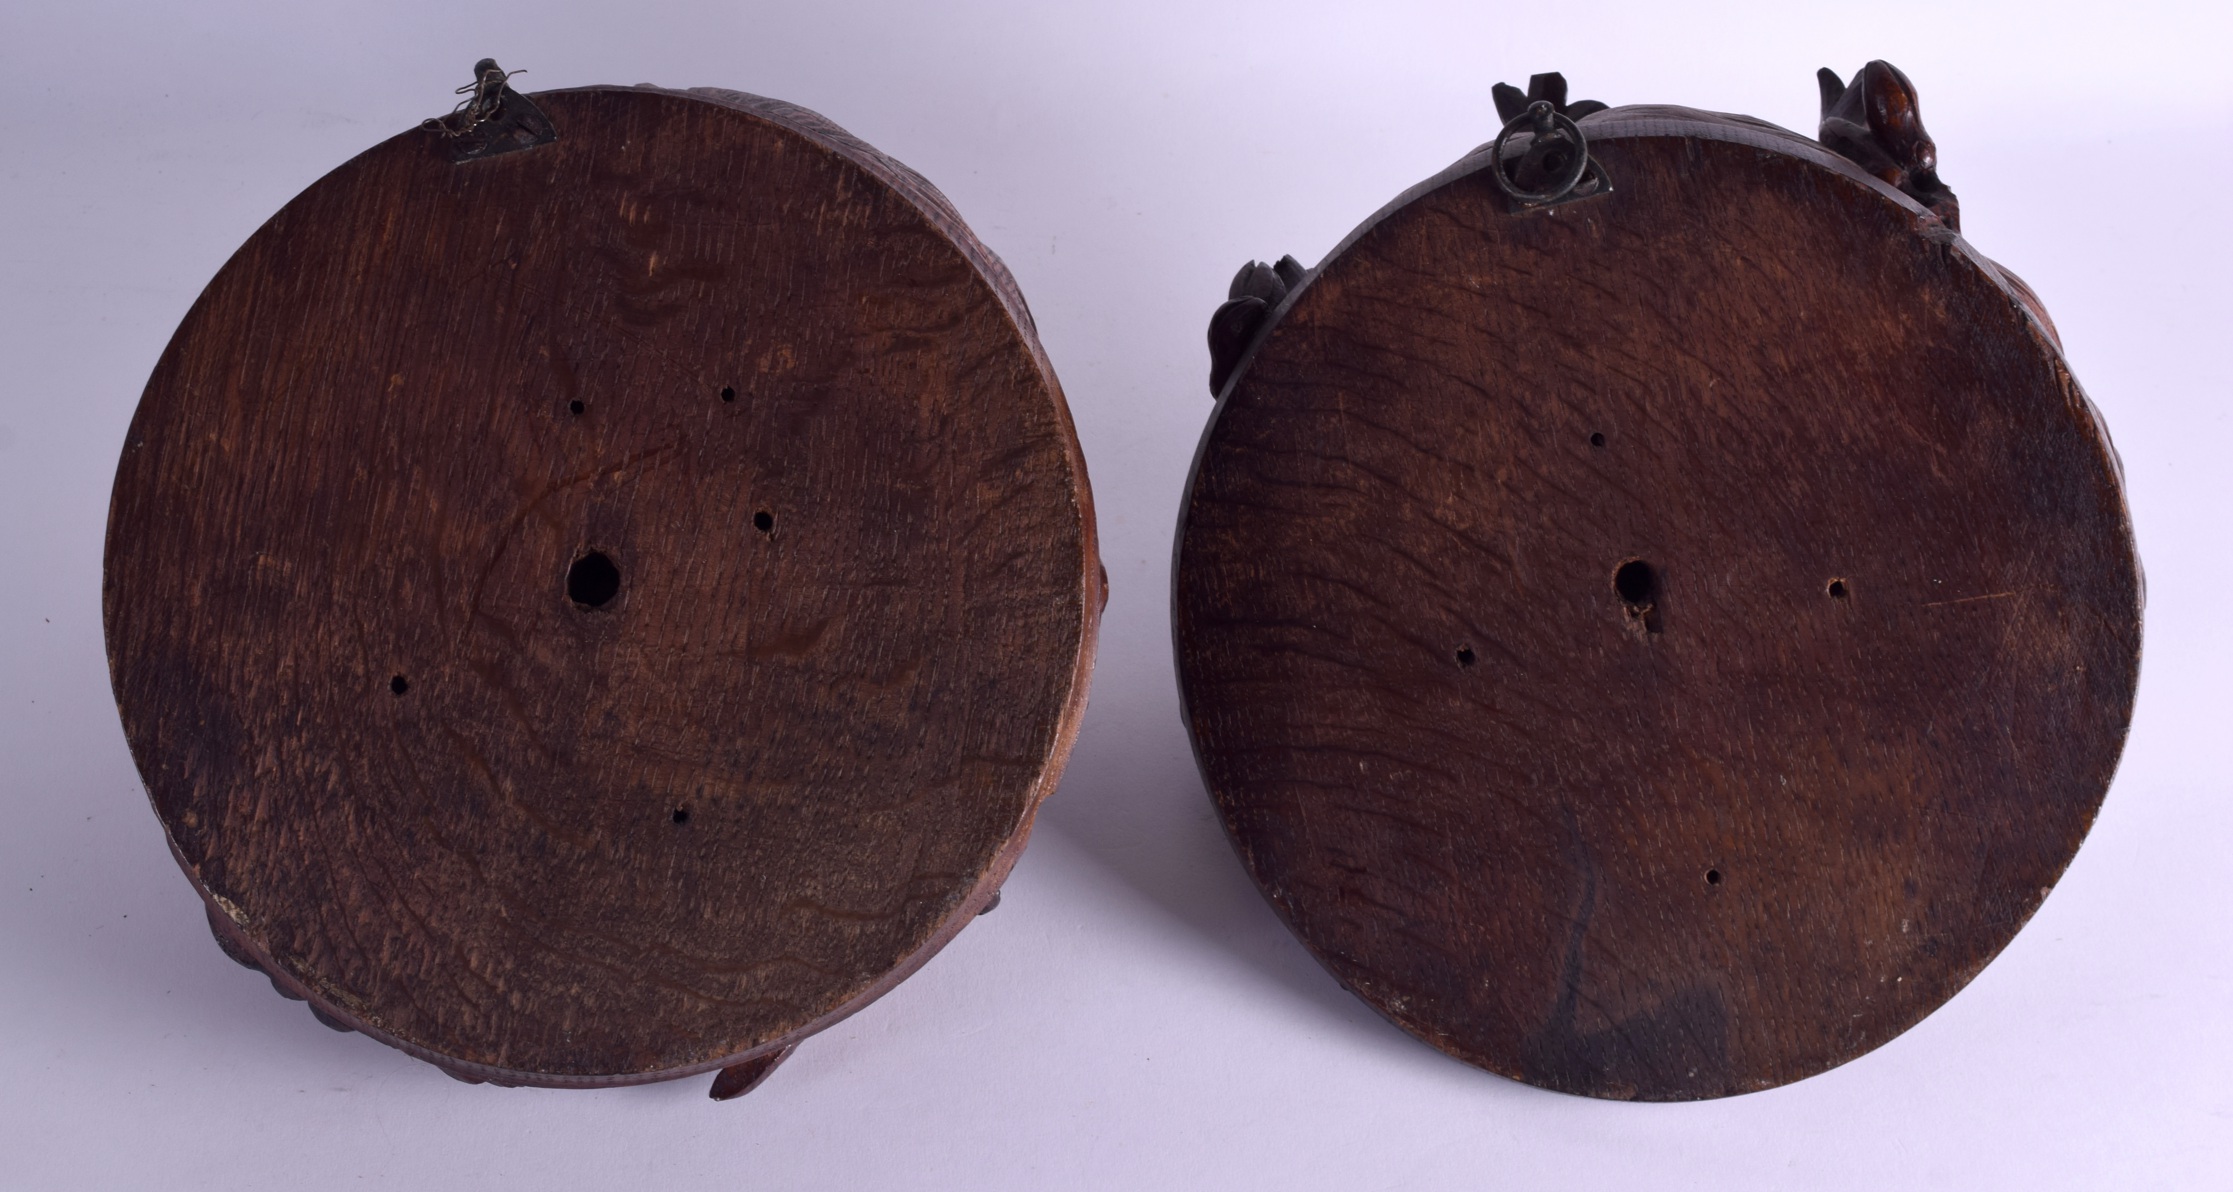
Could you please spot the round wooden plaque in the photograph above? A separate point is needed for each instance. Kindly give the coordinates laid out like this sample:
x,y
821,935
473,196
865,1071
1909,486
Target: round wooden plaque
x,y
603,611
1662,644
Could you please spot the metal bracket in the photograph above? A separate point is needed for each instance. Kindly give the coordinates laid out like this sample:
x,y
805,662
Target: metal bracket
x,y
1550,163
492,119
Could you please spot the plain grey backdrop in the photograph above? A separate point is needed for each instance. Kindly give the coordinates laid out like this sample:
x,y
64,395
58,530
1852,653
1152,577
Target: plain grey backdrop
x,y
1133,1017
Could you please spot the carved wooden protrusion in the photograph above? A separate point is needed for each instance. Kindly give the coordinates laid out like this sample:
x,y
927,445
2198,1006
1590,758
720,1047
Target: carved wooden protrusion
x,y
733,1082
241,956
1876,122
690,761
1549,87
468,1078
230,946
1596,711
1255,291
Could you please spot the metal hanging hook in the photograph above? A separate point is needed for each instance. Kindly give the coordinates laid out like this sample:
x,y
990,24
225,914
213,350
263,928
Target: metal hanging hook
x,y
1544,121
492,119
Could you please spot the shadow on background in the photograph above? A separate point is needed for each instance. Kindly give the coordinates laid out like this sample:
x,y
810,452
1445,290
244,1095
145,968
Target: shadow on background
x,y
1133,803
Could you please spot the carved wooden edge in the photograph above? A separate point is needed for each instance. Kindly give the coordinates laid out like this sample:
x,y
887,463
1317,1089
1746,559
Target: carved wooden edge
x,y
229,925
1876,121
1653,120
1672,120
825,133
893,173
733,1082
1669,120
1259,288
330,1011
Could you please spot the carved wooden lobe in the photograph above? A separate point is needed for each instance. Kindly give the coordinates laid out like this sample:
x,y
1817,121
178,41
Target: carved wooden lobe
x,y
1877,123
1256,290
1549,86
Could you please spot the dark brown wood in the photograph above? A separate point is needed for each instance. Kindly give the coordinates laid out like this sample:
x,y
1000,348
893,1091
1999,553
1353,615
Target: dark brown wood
x,y
1664,644
731,1083
1249,301
1876,122
604,611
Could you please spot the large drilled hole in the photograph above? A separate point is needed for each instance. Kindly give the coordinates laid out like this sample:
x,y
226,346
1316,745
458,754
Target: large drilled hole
x,y
764,522
1635,582
1837,589
399,684
1637,585
575,408
680,815
592,581
728,393
1465,656
1597,438
1713,877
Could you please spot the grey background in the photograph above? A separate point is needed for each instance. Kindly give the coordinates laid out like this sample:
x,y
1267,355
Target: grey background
x,y
1133,1016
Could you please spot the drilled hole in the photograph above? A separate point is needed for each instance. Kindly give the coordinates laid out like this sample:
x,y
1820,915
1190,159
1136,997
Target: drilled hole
x,y
592,581
399,684
1597,438
576,407
1713,877
1637,585
1837,589
728,393
1635,582
764,522
1465,656
681,815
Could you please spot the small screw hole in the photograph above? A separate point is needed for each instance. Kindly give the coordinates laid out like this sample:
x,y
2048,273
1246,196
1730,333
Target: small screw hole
x,y
681,815
1713,877
1465,656
575,407
1597,438
1837,589
764,522
399,684
728,393
593,580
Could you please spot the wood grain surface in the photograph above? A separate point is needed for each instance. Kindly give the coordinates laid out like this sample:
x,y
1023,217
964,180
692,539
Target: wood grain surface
x,y
1660,646
605,611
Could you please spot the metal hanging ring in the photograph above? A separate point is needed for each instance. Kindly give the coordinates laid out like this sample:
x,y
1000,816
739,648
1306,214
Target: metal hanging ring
x,y
1542,119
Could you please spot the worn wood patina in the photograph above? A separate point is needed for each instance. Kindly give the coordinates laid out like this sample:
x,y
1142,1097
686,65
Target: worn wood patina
x,y
597,607
1658,644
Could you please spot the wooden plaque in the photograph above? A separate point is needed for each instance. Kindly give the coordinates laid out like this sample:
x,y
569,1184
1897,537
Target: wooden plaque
x,y
1660,642
599,585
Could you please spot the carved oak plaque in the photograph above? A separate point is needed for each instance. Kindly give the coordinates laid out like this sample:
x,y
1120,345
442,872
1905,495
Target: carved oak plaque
x,y
598,587
1657,639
